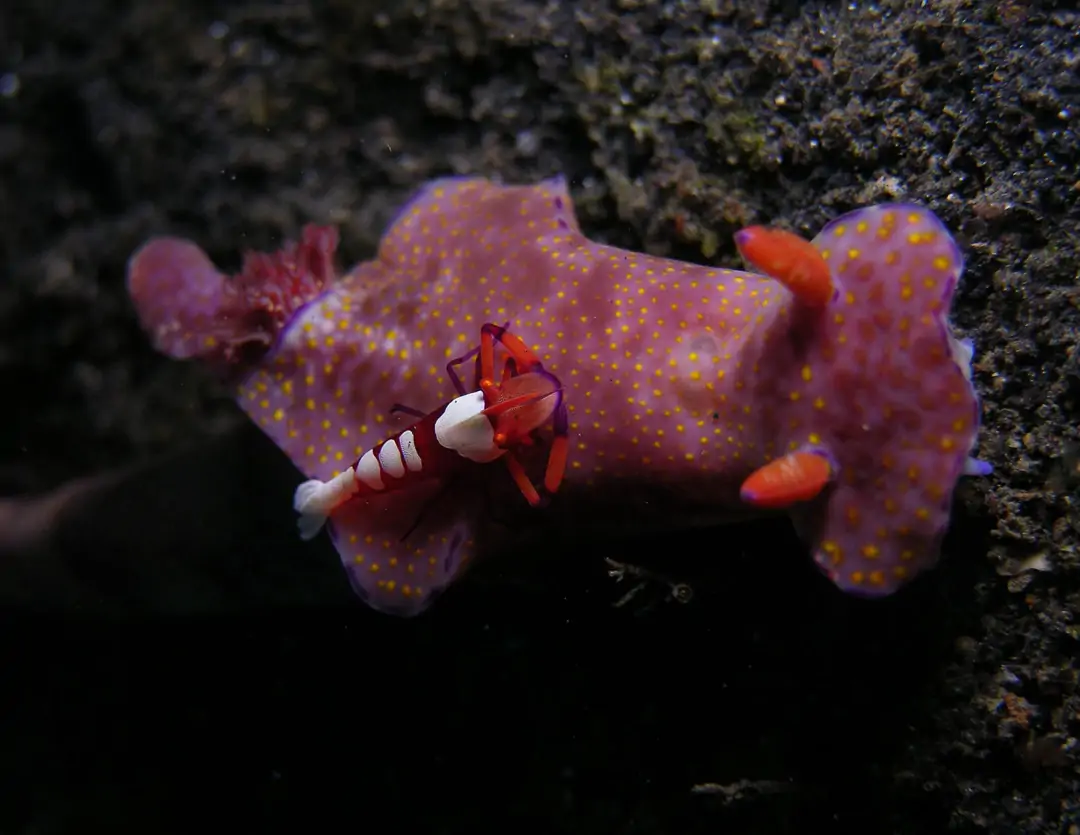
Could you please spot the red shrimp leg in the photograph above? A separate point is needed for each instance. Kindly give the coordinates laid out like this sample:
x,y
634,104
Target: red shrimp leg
x,y
524,361
452,366
521,479
560,448
452,373
407,410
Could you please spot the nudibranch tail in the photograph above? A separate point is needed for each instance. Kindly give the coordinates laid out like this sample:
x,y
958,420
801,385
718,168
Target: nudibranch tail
x,y
193,311
896,397
177,293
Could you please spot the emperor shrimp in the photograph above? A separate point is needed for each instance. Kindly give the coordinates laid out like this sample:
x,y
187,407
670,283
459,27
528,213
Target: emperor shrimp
x,y
509,405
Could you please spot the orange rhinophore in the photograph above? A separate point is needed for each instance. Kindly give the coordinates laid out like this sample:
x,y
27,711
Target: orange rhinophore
x,y
789,259
796,477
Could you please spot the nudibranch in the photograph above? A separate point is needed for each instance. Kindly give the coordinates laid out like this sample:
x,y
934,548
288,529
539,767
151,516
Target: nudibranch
x,y
832,386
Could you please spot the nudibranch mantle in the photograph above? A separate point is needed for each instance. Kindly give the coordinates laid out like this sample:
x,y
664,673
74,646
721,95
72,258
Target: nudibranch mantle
x,y
674,373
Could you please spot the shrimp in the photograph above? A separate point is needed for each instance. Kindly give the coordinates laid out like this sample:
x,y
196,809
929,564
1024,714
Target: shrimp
x,y
478,426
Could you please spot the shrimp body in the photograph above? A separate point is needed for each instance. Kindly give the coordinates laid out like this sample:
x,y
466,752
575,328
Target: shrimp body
x,y
433,447
479,426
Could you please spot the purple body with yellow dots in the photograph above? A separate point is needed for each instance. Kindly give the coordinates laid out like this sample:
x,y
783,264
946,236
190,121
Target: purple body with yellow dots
x,y
675,374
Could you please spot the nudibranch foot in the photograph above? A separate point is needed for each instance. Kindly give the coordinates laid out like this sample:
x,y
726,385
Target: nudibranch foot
x,y
401,550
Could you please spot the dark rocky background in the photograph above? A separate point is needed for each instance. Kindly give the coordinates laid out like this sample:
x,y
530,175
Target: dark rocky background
x,y
171,660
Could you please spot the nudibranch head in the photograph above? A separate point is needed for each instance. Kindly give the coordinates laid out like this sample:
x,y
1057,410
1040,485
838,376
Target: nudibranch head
x,y
886,389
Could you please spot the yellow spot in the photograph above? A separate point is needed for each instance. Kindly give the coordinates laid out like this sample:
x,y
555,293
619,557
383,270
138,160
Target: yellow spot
x,y
906,293
815,438
310,405
947,444
871,552
819,403
900,572
279,414
857,577
877,578
922,514
860,227
807,373
942,263
840,231
907,555
852,254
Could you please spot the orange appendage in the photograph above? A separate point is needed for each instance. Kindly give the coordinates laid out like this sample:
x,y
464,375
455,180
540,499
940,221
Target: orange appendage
x,y
789,259
797,477
518,351
556,466
521,479
525,399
